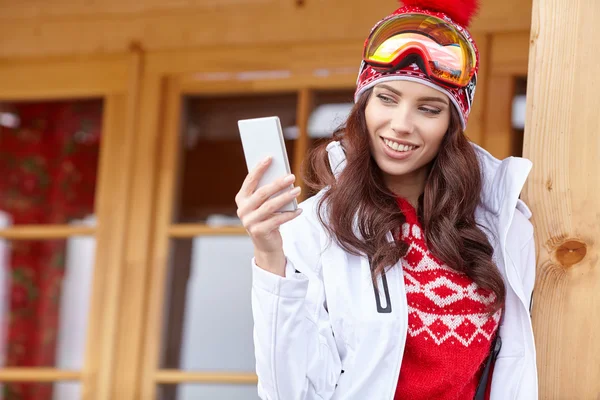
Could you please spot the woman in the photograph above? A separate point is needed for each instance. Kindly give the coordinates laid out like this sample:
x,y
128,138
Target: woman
x,y
414,264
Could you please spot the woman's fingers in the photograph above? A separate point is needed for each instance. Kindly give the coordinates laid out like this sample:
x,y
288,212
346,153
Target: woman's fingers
x,y
267,226
268,208
250,203
276,203
252,179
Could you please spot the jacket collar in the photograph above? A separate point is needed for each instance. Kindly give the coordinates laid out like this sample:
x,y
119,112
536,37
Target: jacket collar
x,y
502,180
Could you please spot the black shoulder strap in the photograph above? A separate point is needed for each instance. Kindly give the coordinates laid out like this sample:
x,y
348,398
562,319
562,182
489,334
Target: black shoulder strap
x,y
485,376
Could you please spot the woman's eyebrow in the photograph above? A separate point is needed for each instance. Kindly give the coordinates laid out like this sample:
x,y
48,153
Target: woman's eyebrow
x,y
426,98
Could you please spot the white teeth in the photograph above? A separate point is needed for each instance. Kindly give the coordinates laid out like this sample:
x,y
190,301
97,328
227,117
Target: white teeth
x,y
398,147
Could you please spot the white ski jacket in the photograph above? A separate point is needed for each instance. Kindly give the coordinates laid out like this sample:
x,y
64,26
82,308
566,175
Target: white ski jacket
x,y
319,333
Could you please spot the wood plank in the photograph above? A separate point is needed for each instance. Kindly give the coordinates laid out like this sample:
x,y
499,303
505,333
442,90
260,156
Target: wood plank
x,y
113,208
245,64
67,78
510,53
562,141
287,80
173,376
167,169
305,107
41,232
83,8
498,139
476,125
102,27
193,230
38,375
122,381
62,78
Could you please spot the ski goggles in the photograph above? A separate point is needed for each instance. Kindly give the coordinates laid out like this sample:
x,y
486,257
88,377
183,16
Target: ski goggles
x,y
435,45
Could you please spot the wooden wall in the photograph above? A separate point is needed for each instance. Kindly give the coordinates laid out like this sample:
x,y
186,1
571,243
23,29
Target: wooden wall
x,y
55,27
167,48
74,28
562,141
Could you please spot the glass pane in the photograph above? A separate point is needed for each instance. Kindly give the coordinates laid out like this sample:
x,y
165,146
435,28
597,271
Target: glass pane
x,y
49,159
212,164
519,113
45,287
194,391
40,391
330,111
66,391
208,325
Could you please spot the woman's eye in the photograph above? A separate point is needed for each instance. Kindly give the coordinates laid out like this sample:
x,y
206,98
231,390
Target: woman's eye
x,y
385,99
428,110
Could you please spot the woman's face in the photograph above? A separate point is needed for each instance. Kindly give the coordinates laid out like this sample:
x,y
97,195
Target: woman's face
x,y
407,122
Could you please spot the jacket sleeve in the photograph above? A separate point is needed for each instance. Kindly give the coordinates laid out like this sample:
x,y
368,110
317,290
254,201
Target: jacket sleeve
x,y
296,354
529,388
528,261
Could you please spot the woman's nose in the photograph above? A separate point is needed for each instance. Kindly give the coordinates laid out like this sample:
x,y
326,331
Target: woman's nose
x,y
402,121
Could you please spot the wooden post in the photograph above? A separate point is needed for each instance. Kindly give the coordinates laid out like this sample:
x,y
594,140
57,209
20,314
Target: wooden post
x,y
562,139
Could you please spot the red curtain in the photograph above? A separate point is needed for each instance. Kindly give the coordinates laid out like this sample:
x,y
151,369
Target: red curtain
x,y
48,168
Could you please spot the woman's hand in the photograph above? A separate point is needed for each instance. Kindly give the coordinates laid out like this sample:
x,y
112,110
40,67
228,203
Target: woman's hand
x,y
257,211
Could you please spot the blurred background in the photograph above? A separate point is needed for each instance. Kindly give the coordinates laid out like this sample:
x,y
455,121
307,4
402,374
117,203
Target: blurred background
x,y
124,273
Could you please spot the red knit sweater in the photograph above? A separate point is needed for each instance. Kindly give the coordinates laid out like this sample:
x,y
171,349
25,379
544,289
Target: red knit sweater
x,y
449,332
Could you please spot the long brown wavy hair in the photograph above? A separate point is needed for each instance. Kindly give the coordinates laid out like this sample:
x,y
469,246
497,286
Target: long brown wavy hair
x,y
360,200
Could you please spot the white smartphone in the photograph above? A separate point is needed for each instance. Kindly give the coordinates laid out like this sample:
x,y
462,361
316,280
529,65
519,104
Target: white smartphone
x,y
263,137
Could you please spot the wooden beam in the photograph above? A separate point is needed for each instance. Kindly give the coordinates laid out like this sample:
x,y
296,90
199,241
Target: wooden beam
x,y
510,54
287,80
113,208
111,25
167,168
305,107
476,125
562,140
140,224
171,376
104,77
498,137
38,375
193,230
62,78
40,232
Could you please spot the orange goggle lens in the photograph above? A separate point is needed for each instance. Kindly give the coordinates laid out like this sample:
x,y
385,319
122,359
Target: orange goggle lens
x,y
446,53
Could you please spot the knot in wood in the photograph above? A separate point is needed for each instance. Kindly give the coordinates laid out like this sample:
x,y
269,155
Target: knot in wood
x,y
571,252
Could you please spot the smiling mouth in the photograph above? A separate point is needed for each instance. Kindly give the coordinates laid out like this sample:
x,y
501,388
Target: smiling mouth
x,y
397,147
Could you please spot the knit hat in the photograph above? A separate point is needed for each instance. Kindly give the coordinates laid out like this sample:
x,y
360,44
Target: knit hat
x,y
456,13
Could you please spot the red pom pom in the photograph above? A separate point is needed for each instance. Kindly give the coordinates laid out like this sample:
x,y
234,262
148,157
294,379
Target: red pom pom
x,y
461,11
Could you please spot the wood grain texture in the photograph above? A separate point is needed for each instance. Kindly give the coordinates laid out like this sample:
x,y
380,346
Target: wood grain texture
x,y
154,291
194,230
36,28
40,232
131,332
108,77
62,78
476,125
509,54
37,375
116,166
305,108
562,141
173,376
498,134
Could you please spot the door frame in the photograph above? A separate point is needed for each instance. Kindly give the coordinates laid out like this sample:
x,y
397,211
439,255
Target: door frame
x,y
115,79
168,78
